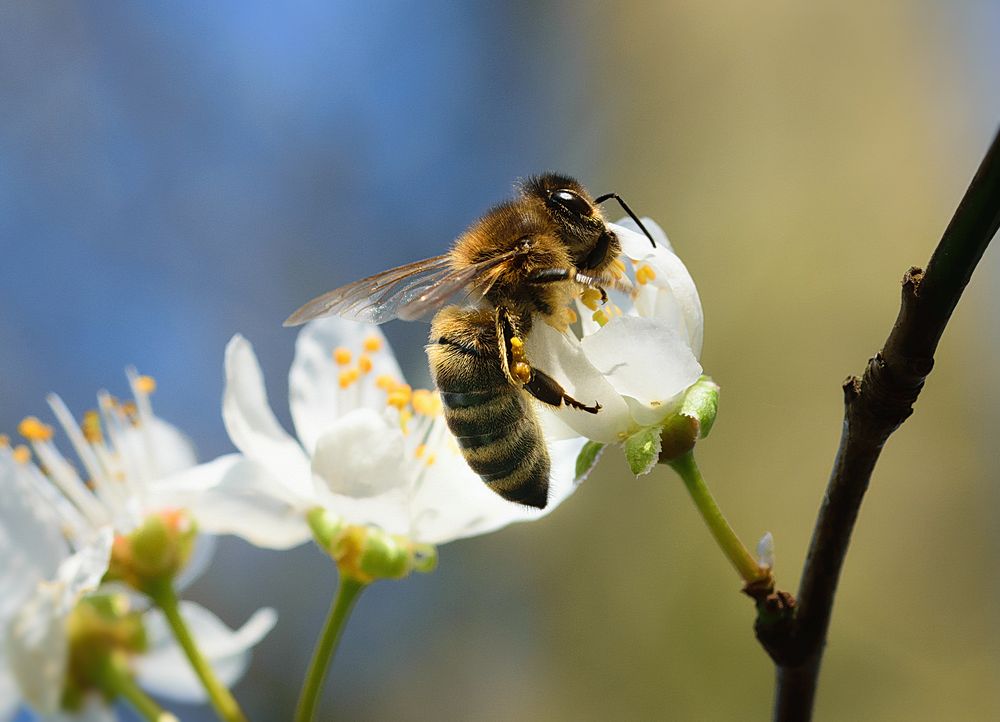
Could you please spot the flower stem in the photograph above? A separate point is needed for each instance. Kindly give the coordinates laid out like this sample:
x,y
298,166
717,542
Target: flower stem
x,y
348,591
222,700
116,680
725,537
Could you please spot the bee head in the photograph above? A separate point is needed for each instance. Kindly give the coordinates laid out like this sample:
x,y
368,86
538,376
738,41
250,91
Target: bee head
x,y
571,208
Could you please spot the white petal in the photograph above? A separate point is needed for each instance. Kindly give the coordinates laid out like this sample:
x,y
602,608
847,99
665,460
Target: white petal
x,y
165,671
251,423
37,648
314,392
201,557
563,358
634,241
233,495
36,642
360,456
31,545
452,502
172,450
562,481
9,693
643,359
671,296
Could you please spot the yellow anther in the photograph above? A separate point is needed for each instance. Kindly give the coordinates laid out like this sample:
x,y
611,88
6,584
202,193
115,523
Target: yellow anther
x,y
91,427
21,454
145,385
600,317
522,372
372,344
348,377
34,430
426,402
385,382
364,363
4,441
431,458
591,298
342,356
419,451
130,409
644,274
516,343
399,396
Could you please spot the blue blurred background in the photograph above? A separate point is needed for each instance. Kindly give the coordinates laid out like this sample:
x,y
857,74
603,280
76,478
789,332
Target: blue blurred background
x,y
174,173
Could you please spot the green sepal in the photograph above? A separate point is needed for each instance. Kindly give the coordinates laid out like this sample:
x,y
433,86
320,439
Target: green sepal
x,y
642,450
385,556
325,527
701,402
587,458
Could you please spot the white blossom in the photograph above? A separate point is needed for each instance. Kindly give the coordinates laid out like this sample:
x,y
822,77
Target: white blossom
x,y
56,535
370,449
635,356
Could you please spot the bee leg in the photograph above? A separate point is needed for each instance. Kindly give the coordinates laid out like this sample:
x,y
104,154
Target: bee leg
x,y
520,373
554,275
547,390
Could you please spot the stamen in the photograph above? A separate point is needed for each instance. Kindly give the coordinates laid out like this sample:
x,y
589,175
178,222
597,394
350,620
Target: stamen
x,y
91,427
600,317
591,298
145,384
21,454
342,356
431,458
644,274
34,430
4,441
385,382
372,344
364,363
419,451
426,402
399,396
348,377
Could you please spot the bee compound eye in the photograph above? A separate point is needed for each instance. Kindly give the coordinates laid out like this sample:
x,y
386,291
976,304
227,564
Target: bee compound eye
x,y
571,201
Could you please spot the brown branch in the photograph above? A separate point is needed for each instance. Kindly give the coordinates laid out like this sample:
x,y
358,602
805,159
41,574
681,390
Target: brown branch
x,y
794,633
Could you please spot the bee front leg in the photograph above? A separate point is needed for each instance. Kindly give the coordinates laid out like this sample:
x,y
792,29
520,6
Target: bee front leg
x,y
520,373
553,275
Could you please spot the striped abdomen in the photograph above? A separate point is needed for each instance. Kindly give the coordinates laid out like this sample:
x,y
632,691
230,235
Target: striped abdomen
x,y
491,418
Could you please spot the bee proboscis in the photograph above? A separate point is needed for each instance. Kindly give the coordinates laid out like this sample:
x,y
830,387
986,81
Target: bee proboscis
x,y
525,259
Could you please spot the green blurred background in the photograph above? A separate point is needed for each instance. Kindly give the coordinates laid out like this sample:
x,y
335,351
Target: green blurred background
x,y
800,156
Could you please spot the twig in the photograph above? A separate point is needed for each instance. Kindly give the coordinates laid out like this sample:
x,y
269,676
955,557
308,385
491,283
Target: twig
x,y
794,633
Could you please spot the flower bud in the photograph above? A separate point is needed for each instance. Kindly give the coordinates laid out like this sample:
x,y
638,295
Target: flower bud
x,y
366,553
101,630
154,552
693,420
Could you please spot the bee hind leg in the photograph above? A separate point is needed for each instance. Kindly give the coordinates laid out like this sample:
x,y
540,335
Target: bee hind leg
x,y
547,390
519,372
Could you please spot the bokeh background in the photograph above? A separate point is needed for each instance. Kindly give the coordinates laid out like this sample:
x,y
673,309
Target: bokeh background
x,y
173,173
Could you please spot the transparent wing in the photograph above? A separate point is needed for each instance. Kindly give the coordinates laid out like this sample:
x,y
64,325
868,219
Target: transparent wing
x,y
407,292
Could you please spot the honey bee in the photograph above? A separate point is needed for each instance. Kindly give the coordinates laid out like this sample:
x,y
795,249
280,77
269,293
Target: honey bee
x,y
524,260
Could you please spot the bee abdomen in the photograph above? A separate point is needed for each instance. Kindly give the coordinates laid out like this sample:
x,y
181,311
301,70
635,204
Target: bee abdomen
x,y
501,441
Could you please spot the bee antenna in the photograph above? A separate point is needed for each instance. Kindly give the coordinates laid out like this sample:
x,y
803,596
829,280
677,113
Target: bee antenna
x,y
633,216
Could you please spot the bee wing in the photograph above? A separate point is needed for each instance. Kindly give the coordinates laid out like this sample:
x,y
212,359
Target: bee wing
x,y
407,292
